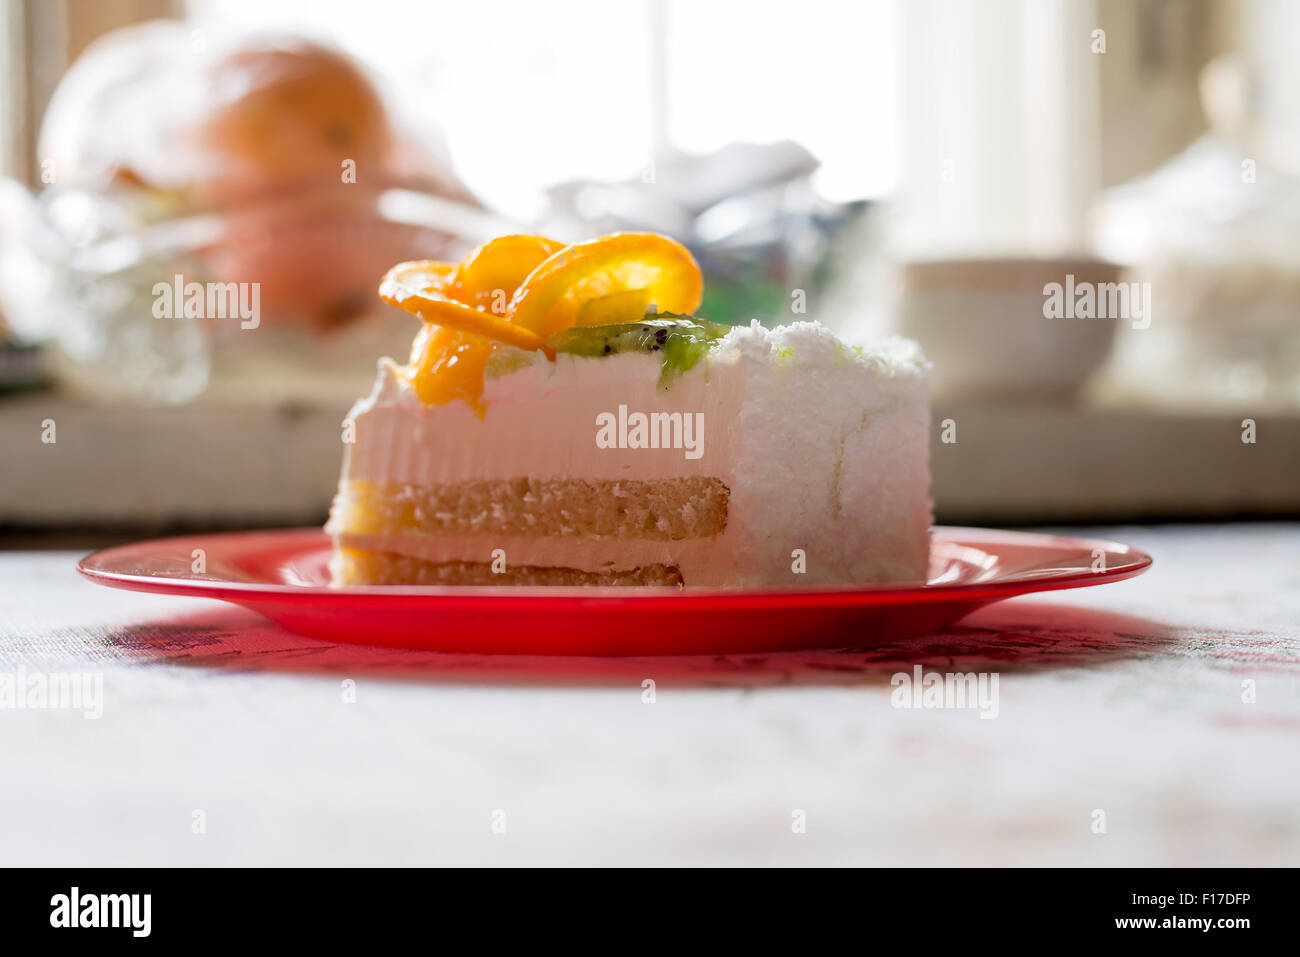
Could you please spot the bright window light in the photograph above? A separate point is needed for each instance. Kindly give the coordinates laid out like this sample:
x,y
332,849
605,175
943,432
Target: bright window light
x,y
528,95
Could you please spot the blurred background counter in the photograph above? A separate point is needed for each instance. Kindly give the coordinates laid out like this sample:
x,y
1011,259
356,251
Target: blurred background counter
x,y
1140,157
226,466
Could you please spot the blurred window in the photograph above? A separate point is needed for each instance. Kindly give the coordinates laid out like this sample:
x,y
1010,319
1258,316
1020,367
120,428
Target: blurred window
x,y
528,95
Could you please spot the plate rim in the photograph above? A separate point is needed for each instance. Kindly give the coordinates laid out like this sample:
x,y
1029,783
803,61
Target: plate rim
x,y
90,567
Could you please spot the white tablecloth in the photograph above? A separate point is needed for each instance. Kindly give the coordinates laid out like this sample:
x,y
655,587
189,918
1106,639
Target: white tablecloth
x,y
225,740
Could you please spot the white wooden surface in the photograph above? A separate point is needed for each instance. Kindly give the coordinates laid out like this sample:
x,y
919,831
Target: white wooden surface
x,y
1126,698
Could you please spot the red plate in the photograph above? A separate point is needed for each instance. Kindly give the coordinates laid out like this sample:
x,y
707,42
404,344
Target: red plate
x,y
283,574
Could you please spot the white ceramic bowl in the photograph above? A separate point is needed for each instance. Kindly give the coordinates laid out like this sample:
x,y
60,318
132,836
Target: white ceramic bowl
x,y
981,323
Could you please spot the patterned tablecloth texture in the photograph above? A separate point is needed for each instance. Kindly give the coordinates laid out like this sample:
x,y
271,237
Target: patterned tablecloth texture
x,y
1155,721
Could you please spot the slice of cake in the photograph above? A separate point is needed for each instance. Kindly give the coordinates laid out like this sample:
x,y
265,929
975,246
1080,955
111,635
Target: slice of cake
x,y
564,420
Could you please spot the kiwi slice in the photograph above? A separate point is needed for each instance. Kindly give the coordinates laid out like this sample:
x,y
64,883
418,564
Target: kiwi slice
x,y
681,341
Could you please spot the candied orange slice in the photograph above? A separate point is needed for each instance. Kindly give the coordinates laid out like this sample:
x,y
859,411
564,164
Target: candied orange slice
x,y
628,305
423,292
488,277
417,277
451,314
448,365
520,290
552,298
